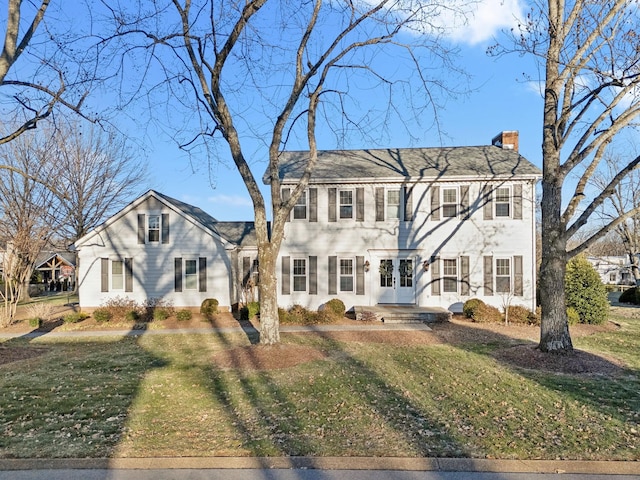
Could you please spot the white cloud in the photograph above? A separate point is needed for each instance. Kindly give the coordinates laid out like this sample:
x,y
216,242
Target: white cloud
x,y
484,20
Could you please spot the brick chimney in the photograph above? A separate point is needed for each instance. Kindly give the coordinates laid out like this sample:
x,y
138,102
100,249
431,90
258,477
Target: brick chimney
x,y
508,140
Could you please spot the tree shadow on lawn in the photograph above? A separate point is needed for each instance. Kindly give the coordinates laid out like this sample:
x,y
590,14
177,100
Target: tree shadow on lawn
x,y
65,398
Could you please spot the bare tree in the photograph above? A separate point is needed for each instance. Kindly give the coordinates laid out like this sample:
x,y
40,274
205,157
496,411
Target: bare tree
x,y
267,71
42,67
624,198
99,174
28,216
588,50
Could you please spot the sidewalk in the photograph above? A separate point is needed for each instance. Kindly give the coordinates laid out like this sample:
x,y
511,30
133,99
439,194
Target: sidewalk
x,y
331,463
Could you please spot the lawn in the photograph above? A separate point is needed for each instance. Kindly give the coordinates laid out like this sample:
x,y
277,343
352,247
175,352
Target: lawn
x,y
389,395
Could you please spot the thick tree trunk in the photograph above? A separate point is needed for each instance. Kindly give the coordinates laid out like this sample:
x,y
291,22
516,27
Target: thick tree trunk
x,y
269,321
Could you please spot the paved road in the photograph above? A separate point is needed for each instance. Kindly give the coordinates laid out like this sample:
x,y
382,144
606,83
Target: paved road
x,y
280,474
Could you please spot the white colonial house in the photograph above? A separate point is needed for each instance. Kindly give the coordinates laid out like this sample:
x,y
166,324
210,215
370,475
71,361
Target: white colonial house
x,y
418,226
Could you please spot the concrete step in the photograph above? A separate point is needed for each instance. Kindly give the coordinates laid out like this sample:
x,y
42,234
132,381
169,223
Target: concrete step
x,y
402,314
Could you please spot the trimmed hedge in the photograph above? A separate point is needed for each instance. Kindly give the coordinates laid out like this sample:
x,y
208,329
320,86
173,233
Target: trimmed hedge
x,y
585,291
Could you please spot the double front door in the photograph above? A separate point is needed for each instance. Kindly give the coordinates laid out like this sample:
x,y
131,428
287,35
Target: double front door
x,y
396,279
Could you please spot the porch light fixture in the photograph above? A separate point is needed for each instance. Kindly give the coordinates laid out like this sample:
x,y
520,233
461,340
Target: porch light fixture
x,y
425,265
366,266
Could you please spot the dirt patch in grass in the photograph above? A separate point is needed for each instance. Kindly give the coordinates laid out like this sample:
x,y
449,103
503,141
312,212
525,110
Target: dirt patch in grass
x,y
15,353
262,357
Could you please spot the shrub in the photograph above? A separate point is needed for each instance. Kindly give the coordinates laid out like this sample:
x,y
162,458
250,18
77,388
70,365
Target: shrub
x,y
521,315
630,295
299,315
487,314
118,307
74,317
335,307
470,307
102,315
183,315
585,291
132,316
209,307
250,310
35,322
41,310
161,313
157,309
573,316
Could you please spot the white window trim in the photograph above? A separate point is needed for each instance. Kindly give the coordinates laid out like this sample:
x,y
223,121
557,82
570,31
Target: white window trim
x,y
509,202
443,204
340,204
120,275
495,275
456,277
149,229
185,276
352,275
303,198
386,204
294,275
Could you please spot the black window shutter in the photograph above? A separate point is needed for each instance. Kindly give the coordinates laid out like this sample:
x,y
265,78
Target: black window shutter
x,y
408,203
464,275
165,228
488,276
141,227
464,201
286,272
435,275
333,275
360,204
518,286
435,202
104,274
313,275
202,274
332,204
517,201
487,197
313,204
379,204
177,263
359,275
128,274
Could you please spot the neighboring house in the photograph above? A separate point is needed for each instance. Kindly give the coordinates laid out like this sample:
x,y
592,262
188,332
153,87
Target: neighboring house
x,y
416,226
613,269
56,266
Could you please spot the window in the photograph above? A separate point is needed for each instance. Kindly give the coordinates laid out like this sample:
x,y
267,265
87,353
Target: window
x,y
300,208
346,275
346,204
503,205
154,228
405,270
612,277
299,275
190,275
255,273
386,273
117,275
393,204
503,275
449,202
450,275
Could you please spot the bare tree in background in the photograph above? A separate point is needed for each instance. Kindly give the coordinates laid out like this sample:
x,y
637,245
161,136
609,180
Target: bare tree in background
x,y
267,71
624,198
29,216
588,51
98,172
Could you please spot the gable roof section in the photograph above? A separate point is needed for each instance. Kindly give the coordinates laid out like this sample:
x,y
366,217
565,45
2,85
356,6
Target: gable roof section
x,y
45,257
229,233
484,162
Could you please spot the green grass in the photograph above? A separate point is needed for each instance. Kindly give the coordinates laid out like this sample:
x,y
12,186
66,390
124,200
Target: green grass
x,y
160,395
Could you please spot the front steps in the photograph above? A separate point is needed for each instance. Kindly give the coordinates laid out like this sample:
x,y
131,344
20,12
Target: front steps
x,y
402,314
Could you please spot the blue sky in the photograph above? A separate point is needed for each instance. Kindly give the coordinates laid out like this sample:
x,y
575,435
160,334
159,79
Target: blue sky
x,y
501,98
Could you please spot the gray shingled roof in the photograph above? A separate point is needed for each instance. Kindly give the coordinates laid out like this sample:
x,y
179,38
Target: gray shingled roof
x,y
402,163
238,233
